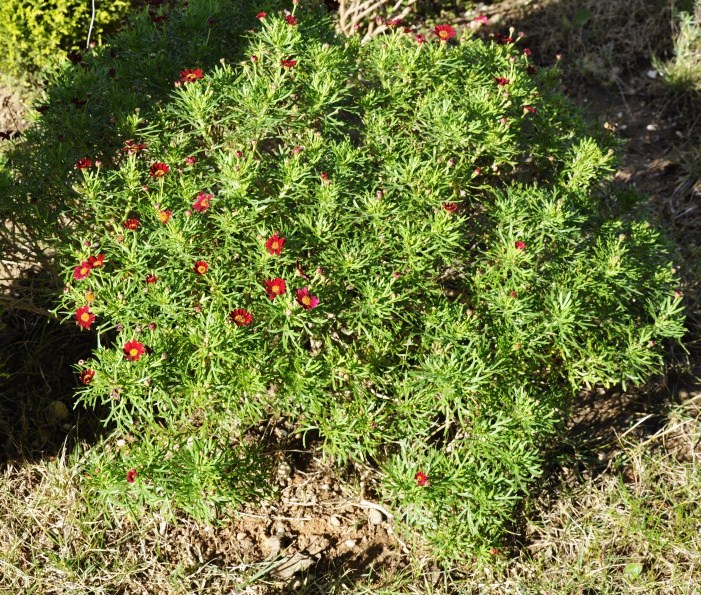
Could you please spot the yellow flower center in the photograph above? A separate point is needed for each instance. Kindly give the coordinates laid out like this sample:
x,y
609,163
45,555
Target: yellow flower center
x,y
201,270
133,352
306,300
274,245
84,271
85,316
276,289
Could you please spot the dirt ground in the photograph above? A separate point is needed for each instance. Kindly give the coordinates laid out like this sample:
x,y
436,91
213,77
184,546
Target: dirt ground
x,y
324,525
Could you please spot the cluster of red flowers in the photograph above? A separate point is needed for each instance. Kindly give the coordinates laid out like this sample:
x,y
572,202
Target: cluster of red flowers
x,y
201,267
444,32
240,317
86,376
132,148
132,224
288,63
133,350
190,75
291,20
275,287
202,202
83,269
83,163
164,216
84,318
501,81
158,169
421,479
274,244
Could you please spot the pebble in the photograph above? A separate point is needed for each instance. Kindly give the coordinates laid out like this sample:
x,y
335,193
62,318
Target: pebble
x,y
335,521
295,563
273,545
349,543
375,516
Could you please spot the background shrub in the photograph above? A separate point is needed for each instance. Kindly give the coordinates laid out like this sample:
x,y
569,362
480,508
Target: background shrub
x,y
35,35
440,201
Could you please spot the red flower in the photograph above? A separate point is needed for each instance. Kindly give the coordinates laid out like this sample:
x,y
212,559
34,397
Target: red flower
x,y
288,63
503,39
82,271
324,177
520,245
275,244
151,278
158,170
275,287
261,15
529,109
421,479
132,147
240,317
527,52
190,75
83,163
420,39
84,318
86,376
131,475
308,302
164,216
291,20
202,202
501,81
201,267
444,32
133,350
480,20
96,261
131,224
451,207
191,160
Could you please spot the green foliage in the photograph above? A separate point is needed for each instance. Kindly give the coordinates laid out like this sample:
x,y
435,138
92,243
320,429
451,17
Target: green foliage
x,y
34,34
681,76
439,200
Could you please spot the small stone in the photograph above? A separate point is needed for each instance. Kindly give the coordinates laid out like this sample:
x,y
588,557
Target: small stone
x,y
240,535
652,74
284,470
375,517
349,543
294,564
272,545
57,411
651,127
335,521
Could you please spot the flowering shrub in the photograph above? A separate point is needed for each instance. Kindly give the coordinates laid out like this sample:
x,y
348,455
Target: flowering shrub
x,y
383,244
